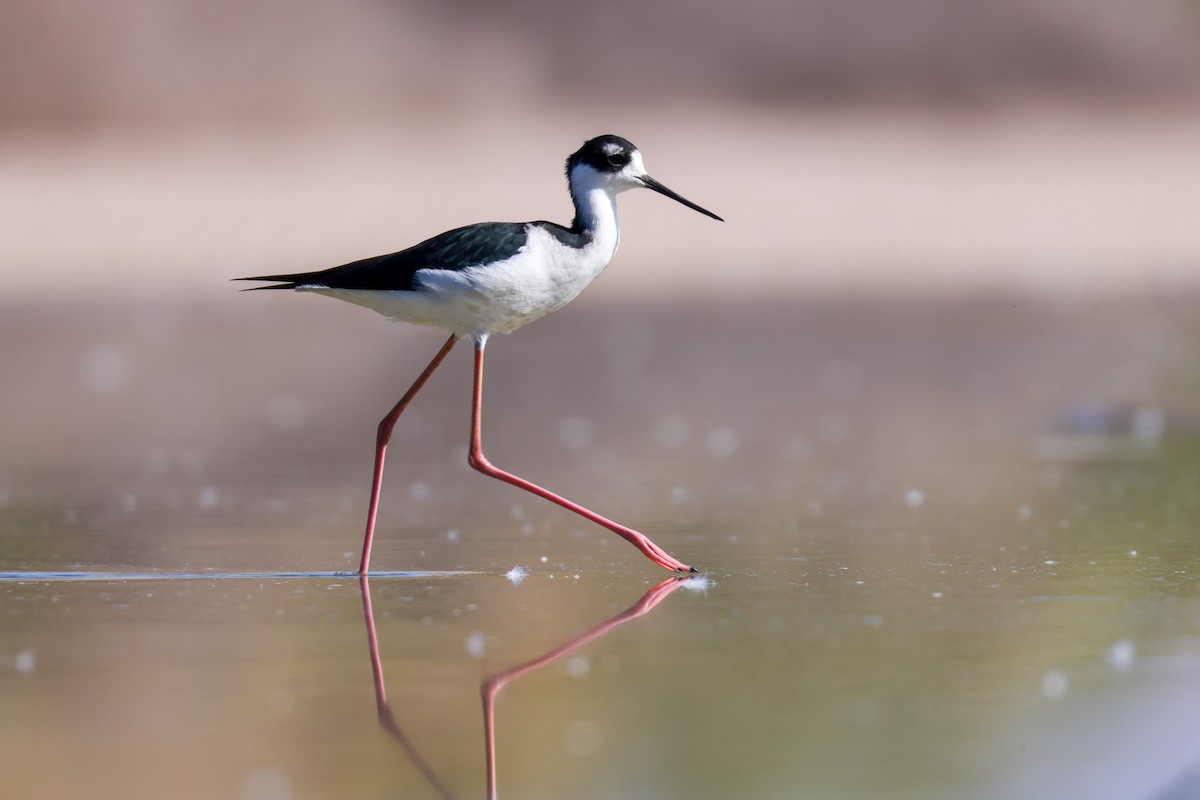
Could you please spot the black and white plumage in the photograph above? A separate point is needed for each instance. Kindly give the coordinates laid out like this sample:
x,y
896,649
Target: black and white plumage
x,y
494,277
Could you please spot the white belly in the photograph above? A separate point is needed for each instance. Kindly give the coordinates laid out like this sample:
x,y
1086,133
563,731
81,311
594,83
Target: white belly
x,y
494,298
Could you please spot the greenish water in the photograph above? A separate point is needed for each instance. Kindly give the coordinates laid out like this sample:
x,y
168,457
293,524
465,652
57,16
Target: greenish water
x,y
950,550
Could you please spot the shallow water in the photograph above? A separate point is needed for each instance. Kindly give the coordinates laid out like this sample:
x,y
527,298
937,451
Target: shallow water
x,y
950,549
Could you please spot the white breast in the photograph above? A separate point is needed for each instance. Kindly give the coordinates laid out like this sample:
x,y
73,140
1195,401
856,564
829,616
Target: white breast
x,y
500,297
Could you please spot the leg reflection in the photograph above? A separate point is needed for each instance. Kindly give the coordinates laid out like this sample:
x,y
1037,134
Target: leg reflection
x,y
491,686
386,718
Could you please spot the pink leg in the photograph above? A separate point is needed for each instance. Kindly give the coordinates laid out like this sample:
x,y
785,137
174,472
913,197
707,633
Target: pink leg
x,y
478,461
381,441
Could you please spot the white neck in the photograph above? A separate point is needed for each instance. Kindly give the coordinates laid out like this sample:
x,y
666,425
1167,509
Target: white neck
x,y
595,206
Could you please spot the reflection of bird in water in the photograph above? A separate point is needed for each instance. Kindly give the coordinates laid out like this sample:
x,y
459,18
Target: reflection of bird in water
x,y
386,718
491,687
493,278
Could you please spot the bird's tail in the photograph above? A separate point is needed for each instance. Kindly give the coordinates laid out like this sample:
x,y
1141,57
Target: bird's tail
x,y
279,282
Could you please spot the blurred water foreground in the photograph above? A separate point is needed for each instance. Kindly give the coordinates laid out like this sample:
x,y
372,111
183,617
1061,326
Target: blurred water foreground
x,y
925,408
950,548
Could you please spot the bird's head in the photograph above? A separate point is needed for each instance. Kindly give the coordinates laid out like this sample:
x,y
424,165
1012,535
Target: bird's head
x,y
615,165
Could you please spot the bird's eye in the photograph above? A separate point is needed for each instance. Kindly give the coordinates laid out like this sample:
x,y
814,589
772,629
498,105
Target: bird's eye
x,y
618,159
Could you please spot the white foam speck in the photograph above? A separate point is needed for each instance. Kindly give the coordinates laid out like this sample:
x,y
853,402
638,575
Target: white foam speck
x,y
208,498
516,574
25,662
1148,423
914,498
578,666
1054,684
1121,655
476,644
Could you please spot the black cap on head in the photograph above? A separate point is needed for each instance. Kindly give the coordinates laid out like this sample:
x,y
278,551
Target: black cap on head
x,y
612,154
606,153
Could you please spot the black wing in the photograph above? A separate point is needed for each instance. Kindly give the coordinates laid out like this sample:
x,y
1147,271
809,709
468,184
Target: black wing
x,y
452,250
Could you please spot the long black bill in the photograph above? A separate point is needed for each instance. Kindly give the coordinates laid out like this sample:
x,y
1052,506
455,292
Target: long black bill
x,y
658,187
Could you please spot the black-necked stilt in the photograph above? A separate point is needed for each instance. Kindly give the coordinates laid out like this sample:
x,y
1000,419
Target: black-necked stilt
x,y
491,278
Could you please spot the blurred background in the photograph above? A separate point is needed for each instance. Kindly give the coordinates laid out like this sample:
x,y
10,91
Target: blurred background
x,y
1045,145
930,152
927,405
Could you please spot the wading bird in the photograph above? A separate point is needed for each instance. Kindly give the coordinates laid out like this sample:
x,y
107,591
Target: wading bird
x,y
491,278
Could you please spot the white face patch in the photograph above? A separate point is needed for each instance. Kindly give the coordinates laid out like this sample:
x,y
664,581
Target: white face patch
x,y
585,178
627,177
635,168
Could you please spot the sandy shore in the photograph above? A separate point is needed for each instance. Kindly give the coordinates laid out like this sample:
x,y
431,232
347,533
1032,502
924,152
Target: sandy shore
x,y
1029,200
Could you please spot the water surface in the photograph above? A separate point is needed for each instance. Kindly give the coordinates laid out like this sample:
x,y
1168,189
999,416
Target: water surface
x,y
950,549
